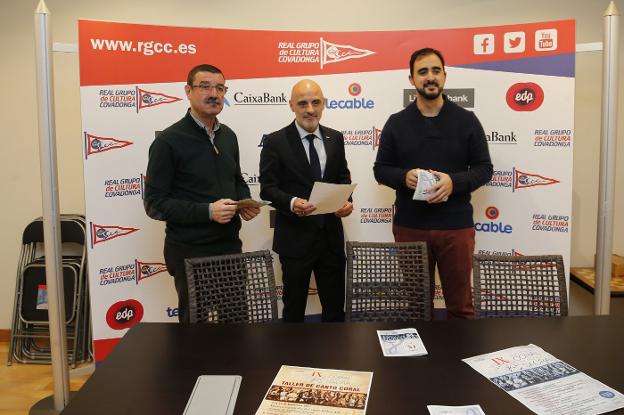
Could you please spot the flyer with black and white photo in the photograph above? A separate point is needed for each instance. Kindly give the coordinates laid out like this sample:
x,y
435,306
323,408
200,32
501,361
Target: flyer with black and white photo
x,y
402,342
545,384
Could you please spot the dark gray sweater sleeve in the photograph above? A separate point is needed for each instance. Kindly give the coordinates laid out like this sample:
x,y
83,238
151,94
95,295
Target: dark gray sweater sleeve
x,y
386,168
480,166
158,203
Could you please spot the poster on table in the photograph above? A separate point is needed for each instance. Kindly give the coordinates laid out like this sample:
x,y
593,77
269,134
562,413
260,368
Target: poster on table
x,y
306,390
518,79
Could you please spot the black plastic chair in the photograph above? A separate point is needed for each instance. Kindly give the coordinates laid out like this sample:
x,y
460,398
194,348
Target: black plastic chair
x,y
519,286
237,288
387,281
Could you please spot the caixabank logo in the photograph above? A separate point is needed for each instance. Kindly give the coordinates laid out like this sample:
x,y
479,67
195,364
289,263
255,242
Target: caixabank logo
x,y
135,98
262,98
105,233
94,144
252,179
133,272
322,52
553,137
515,179
362,137
376,214
124,187
493,224
547,222
353,102
525,96
502,137
124,314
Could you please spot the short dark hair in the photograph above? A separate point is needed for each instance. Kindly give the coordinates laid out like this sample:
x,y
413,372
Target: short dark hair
x,y
424,52
204,67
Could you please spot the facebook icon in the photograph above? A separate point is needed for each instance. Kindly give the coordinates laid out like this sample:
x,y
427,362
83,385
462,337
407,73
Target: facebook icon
x,y
483,44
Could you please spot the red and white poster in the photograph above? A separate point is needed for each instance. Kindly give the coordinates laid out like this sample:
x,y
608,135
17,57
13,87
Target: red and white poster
x,y
518,79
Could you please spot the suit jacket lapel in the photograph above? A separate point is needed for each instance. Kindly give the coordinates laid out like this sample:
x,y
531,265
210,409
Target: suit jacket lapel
x,y
329,152
296,145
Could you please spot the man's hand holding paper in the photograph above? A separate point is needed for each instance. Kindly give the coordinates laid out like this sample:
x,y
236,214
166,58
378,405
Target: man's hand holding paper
x,y
331,198
431,186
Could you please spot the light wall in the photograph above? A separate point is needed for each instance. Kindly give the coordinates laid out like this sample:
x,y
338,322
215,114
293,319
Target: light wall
x,y
19,159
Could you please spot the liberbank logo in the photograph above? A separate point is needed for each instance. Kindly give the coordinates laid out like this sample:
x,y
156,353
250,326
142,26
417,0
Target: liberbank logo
x,y
353,103
515,179
321,52
464,97
135,98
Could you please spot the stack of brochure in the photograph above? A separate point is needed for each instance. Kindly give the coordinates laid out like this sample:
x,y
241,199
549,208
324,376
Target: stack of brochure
x,y
403,342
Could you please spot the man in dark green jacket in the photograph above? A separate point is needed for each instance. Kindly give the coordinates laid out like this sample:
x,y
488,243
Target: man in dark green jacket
x,y
194,179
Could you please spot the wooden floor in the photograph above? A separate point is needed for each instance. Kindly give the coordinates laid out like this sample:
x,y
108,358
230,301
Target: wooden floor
x,y
23,385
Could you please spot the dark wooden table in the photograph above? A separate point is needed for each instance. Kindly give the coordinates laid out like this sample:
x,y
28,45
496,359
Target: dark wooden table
x,y
154,368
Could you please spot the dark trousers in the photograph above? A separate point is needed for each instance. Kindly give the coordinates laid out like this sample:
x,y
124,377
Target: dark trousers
x,y
329,273
175,254
451,251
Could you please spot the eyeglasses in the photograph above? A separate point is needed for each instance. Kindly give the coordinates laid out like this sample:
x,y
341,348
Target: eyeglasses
x,y
205,88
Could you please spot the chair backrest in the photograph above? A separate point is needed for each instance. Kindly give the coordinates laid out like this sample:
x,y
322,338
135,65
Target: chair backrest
x,y
519,286
72,230
387,281
236,288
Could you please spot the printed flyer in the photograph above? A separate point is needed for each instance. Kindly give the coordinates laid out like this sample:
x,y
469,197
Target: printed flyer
x,y
545,384
305,390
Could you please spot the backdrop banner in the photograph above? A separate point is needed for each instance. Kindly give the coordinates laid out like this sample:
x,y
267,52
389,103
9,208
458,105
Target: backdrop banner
x,y
518,79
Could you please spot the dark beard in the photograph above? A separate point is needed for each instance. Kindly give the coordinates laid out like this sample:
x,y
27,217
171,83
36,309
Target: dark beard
x,y
430,96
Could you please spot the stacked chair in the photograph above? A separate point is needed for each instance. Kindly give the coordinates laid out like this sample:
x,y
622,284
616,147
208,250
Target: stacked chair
x,y
236,288
30,334
387,281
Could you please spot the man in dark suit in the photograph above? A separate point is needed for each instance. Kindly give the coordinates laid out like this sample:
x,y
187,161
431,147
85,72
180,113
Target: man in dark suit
x,y
292,159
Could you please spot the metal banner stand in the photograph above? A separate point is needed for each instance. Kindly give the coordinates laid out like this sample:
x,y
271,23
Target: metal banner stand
x,y
51,222
608,141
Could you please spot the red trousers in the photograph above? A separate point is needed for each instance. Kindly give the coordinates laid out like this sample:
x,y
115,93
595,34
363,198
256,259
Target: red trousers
x,y
451,251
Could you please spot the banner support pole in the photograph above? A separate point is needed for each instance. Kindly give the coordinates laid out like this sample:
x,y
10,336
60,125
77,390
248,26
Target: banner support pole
x,y
608,142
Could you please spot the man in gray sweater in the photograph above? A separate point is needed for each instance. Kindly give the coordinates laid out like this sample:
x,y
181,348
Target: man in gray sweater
x,y
193,180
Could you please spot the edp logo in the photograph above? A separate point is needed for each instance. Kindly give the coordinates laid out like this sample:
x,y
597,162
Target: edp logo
x,y
526,96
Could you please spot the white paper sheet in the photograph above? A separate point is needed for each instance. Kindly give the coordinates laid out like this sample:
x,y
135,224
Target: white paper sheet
x,y
455,410
213,394
545,384
426,180
329,197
